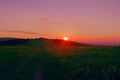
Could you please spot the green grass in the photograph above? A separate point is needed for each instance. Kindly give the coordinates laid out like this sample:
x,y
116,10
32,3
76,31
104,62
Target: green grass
x,y
18,62
59,62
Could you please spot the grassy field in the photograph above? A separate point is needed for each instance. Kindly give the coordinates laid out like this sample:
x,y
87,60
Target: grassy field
x,y
48,60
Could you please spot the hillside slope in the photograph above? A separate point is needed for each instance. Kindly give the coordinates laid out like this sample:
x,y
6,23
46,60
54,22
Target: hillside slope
x,y
46,59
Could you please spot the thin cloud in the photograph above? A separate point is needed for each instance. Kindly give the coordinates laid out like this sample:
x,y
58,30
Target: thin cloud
x,y
70,23
25,32
48,21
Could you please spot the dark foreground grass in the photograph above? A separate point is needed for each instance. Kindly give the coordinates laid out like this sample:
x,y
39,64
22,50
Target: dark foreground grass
x,y
18,62
85,63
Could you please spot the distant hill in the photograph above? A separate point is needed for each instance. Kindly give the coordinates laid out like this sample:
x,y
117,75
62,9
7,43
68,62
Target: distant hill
x,y
53,42
38,41
7,38
8,41
12,41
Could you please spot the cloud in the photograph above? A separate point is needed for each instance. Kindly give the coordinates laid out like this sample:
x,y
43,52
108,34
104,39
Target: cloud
x,y
49,21
25,32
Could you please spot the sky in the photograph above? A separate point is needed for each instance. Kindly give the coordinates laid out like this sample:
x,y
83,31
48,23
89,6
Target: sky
x,y
93,21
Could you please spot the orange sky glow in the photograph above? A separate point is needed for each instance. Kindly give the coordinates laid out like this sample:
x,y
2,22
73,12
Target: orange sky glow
x,y
79,20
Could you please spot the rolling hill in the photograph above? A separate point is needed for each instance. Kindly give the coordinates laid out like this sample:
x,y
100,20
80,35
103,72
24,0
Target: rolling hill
x,y
20,41
54,59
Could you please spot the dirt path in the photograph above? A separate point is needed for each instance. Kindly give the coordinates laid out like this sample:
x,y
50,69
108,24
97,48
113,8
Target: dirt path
x,y
38,73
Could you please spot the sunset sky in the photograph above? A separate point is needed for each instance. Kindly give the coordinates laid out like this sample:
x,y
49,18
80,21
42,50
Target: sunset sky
x,y
80,20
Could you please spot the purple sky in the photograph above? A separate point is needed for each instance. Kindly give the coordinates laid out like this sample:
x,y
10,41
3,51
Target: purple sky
x,y
80,20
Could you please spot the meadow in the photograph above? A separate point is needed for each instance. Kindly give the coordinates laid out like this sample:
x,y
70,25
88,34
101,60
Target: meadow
x,y
55,60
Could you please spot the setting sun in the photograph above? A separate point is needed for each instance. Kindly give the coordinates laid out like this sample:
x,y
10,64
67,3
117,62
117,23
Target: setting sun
x,y
65,38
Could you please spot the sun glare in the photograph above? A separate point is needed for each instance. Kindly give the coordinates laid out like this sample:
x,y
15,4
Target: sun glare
x,y
65,38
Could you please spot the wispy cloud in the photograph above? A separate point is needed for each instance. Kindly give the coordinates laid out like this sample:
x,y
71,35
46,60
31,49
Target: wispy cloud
x,y
25,32
49,21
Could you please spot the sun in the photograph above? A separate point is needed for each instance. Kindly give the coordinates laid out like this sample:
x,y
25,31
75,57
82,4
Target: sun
x,y
65,38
